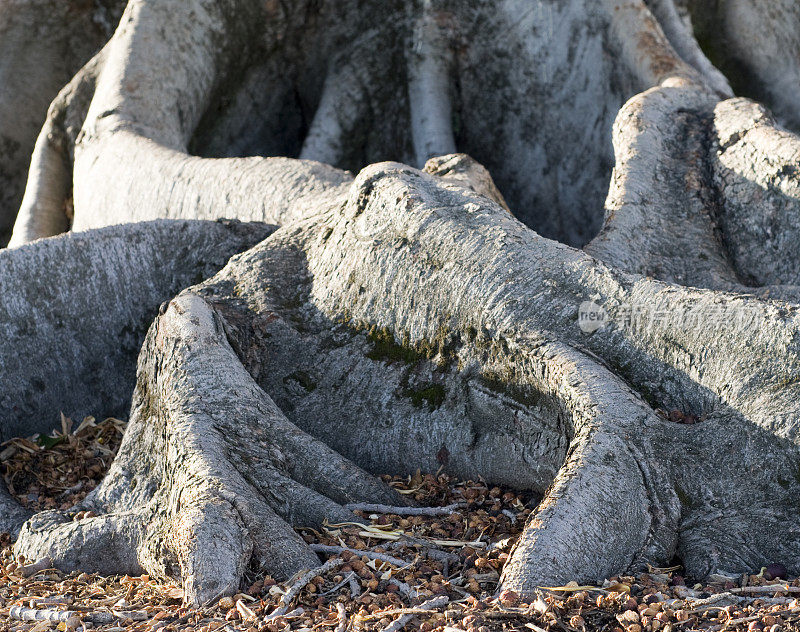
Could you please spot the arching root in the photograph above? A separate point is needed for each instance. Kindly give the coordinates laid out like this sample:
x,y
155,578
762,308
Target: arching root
x,y
223,475
316,336
77,308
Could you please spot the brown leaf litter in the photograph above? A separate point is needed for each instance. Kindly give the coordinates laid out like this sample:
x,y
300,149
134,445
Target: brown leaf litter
x,y
437,571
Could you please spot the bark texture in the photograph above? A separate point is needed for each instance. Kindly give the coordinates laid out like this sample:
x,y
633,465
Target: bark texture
x,y
406,308
77,308
757,44
42,45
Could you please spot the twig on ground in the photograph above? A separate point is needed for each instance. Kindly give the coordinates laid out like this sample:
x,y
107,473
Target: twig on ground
x,y
429,550
50,614
772,588
510,515
727,598
406,511
44,614
304,579
754,617
424,608
61,600
336,550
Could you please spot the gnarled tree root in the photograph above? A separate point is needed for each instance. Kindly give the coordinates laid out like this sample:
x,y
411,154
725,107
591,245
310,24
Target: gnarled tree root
x,y
410,310
318,335
224,476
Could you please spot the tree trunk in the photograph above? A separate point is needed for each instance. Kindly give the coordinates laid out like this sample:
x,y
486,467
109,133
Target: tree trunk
x,y
403,310
42,44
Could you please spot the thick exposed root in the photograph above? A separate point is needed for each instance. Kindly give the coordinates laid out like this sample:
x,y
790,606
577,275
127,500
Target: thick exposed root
x,y
469,254
679,33
77,308
223,476
754,163
12,514
342,110
430,68
704,193
332,342
365,109
46,207
662,209
411,310
463,170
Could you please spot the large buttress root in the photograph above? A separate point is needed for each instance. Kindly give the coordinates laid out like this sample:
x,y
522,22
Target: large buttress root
x,y
411,310
224,476
465,82
334,342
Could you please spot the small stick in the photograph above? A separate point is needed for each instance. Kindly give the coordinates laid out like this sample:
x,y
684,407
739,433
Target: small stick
x,y
50,614
336,550
342,617
406,511
304,579
766,589
423,608
510,515
63,600
708,603
398,624
45,614
428,550
754,617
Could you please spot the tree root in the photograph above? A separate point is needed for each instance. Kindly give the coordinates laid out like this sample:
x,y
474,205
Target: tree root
x,y
42,44
48,192
206,511
412,311
633,483
77,308
125,132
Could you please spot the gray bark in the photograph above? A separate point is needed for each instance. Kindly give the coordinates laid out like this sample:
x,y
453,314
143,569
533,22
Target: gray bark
x,y
42,45
399,311
551,155
757,44
74,311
